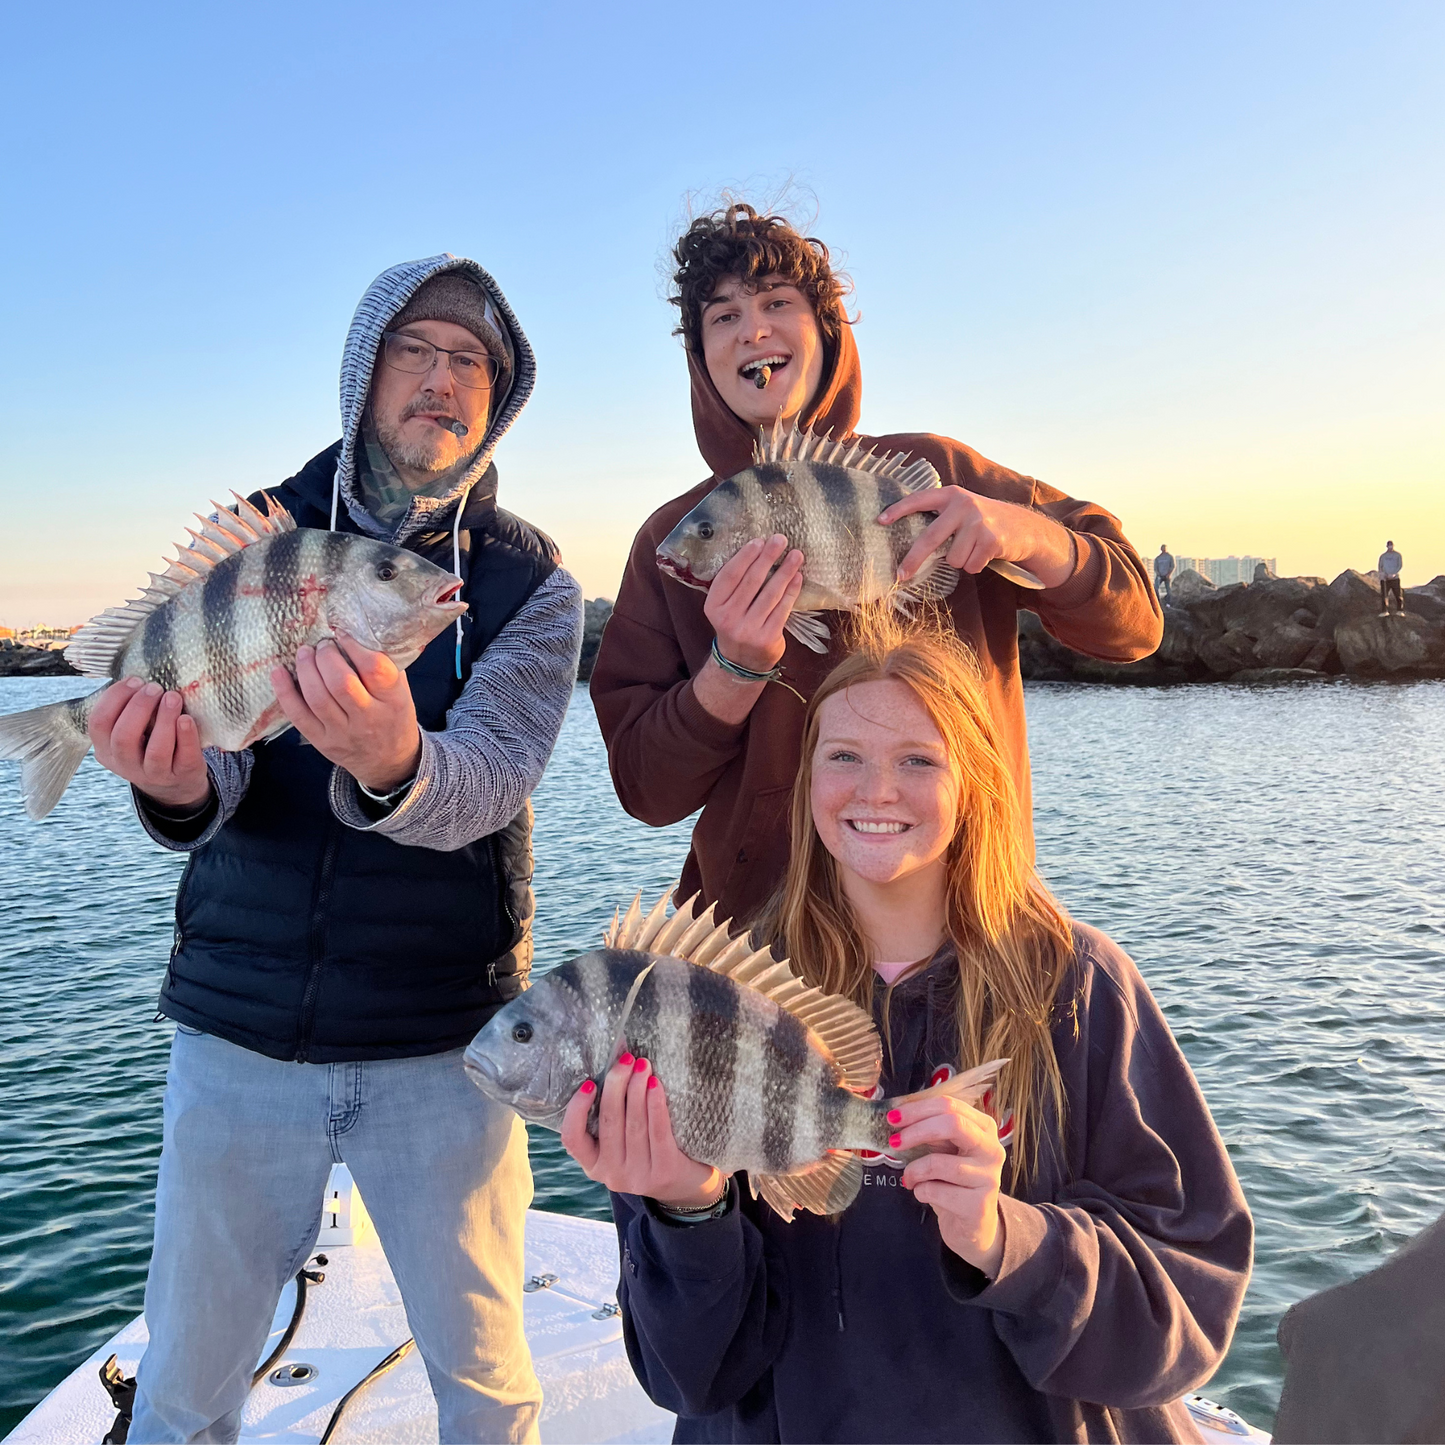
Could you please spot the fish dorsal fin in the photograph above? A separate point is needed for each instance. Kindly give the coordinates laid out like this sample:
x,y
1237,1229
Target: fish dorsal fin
x,y
93,650
845,1031
792,445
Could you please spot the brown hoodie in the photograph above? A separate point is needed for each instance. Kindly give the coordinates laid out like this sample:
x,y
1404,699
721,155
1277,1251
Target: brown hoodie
x,y
669,756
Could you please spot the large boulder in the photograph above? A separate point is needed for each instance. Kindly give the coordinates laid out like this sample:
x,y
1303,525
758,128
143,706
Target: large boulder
x,y
594,619
1189,587
1264,605
1180,646
1226,653
1286,644
1378,646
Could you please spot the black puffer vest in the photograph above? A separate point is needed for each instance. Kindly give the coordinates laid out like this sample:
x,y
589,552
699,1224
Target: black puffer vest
x,y
304,939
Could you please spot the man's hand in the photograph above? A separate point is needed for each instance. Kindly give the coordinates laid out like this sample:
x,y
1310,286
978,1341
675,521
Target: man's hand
x,y
355,708
635,1151
139,733
961,1181
747,604
979,530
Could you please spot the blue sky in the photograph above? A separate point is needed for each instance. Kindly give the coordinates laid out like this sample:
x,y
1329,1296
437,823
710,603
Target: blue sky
x,y
1181,260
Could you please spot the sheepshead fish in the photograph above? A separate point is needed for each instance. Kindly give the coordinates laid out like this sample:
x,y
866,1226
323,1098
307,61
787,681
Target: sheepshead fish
x,y
763,1073
824,497
248,590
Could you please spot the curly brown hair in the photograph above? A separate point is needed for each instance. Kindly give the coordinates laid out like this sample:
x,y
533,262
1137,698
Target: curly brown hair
x,y
737,241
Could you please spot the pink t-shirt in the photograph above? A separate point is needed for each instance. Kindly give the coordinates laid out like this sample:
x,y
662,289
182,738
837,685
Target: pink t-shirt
x,y
889,972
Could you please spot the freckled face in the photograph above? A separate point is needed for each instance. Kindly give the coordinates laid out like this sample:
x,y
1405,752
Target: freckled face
x,y
884,795
772,325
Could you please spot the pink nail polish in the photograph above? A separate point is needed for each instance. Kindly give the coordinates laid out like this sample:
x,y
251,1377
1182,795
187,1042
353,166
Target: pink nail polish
x,y
639,1066
895,1116
625,1059
652,1082
894,1140
588,1086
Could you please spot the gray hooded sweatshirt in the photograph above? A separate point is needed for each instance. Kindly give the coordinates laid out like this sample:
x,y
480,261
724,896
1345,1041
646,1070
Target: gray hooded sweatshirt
x,y
475,776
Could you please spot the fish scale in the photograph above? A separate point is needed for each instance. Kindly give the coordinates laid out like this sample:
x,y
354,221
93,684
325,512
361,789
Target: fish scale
x,y
764,1075
249,590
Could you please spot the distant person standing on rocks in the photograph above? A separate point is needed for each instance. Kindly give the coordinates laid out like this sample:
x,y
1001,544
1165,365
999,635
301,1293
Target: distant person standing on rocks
x,y
358,903
682,682
1390,564
1163,571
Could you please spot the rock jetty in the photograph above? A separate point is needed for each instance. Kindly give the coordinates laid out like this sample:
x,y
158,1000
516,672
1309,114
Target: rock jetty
x,y
1274,629
22,659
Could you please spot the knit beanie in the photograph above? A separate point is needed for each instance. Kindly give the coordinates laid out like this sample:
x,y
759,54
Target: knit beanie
x,y
454,297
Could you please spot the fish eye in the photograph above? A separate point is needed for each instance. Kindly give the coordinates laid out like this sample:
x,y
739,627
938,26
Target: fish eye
x,y
522,1033
386,572
704,530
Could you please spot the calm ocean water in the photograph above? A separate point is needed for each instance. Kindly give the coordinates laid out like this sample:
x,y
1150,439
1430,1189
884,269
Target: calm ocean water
x,y
1269,856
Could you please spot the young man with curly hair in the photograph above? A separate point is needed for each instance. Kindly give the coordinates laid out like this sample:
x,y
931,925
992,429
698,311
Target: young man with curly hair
x,y
761,302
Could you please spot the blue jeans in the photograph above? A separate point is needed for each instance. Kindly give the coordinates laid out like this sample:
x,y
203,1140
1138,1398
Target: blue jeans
x,y
248,1144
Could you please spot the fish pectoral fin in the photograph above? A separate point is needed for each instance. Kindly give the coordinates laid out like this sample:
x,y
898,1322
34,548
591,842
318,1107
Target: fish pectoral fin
x,y
935,581
827,1187
809,628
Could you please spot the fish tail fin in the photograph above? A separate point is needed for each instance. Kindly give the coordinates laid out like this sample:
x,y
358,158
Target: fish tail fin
x,y
970,1086
49,743
827,1187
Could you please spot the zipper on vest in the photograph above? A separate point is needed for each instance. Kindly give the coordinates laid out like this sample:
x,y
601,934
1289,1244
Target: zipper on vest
x,y
316,937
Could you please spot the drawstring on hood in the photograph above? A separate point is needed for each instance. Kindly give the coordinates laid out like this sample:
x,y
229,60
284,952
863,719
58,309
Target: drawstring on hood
x,y
385,299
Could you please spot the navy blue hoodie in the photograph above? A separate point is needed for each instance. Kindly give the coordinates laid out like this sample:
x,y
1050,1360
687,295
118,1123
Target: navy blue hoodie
x,y
1125,1262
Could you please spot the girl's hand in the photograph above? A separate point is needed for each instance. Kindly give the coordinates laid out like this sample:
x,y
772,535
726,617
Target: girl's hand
x,y
635,1152
960,1182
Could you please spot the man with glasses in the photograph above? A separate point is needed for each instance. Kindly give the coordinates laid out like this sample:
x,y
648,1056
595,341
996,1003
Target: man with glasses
x,y
358,902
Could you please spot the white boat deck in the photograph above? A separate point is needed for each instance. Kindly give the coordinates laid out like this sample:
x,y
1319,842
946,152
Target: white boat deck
x,y
354,1319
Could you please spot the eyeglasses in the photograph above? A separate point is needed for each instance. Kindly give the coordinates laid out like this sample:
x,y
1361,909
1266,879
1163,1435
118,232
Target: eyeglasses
x,y
410,353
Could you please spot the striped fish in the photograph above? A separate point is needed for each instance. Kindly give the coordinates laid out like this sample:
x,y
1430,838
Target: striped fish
x,y
824,497
248,590
763,1073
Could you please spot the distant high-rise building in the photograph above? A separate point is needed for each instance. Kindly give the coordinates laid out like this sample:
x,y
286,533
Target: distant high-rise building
x,y
1223,571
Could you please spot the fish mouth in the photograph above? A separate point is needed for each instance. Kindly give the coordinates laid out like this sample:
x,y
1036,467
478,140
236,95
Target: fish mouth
x,y
680,572
448,598
759,370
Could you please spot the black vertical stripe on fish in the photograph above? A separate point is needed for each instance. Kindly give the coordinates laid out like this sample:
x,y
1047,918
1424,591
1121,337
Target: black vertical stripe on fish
x,y
333,557
218,638
279,579
785,511
158,644
787,1058
833,1104
841,495
712,1051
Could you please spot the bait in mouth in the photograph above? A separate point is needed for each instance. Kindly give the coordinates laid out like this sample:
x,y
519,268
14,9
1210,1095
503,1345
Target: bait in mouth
x,y
763,1073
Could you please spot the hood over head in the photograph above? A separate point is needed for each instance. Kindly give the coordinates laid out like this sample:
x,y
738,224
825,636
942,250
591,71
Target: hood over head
x,y
726,440
385,300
